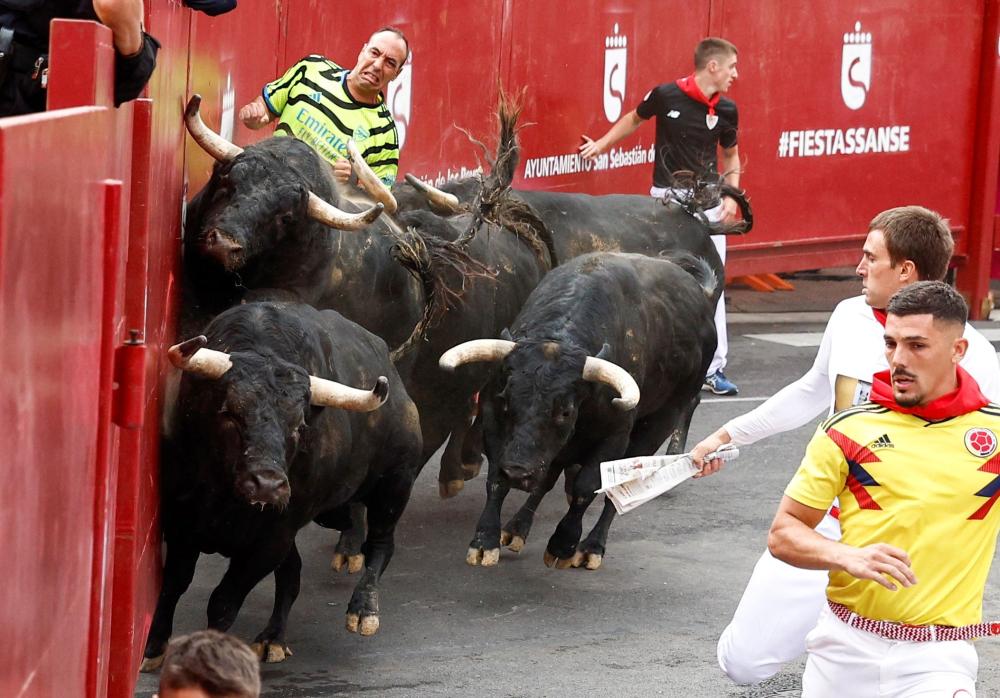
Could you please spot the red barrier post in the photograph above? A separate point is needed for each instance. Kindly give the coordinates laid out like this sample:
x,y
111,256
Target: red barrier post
x,y
974,278
81,65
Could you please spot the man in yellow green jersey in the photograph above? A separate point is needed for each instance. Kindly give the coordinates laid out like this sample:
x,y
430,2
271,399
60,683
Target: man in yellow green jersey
x,y
917,471
324,105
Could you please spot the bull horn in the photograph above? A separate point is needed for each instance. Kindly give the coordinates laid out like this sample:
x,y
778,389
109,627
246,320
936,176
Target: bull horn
x,y
373,185
328,214
191,356
601,371
444,201
328,393
475,350
211,142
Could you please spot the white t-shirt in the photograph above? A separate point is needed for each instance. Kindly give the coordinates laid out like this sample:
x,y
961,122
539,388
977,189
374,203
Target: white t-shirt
x,y
852,351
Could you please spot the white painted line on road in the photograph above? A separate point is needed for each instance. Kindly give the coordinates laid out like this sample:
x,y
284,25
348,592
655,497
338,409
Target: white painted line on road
x,y
705,401
802,316
791,339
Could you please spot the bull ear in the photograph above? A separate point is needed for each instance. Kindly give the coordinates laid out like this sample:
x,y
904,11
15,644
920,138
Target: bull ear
x,y
605,352
506,335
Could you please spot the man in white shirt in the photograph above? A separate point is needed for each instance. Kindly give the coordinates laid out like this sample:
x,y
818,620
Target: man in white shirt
x,y
781,603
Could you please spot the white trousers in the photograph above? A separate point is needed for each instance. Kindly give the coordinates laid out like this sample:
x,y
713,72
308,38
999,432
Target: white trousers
x,y
722,348
780,605
845,661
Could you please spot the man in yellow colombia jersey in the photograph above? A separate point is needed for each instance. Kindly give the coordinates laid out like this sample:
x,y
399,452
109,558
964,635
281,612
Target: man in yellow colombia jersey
x,y
324,105
917,471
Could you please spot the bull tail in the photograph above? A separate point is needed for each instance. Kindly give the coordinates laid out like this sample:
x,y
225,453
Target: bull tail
x,y
444,269
508,149
699,269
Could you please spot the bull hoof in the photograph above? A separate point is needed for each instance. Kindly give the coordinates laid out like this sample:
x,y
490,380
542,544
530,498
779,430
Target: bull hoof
x,y
363,625
449,489
151,664
270,652
562,563
471,470
486,558
514,543
369,626
355,563
594,561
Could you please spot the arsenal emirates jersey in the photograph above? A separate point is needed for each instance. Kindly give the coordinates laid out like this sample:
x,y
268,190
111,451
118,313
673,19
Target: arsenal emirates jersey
x,y
927,487
316,106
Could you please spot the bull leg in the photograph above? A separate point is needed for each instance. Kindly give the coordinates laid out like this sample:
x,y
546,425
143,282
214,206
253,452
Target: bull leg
x,y
515,531
178,571
453,472
270,643
561,550
385,505
592,548
348,550
485,546
244,572
472,450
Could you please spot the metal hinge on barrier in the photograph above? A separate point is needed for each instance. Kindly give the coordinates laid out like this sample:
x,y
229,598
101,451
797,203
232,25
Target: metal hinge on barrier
x,y
129,390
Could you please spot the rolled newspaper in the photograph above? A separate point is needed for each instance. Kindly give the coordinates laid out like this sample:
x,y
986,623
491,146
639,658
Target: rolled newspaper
x,y
631,482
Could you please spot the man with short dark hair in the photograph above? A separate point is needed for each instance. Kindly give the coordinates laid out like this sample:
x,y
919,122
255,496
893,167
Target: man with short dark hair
x,y
693,122
325,105
209,664
916,475
781,603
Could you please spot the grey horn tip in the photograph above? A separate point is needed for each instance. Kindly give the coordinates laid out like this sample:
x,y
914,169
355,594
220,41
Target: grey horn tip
x,y
193,105
381,389
189,347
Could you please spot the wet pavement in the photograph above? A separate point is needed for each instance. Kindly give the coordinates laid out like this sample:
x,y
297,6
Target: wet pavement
x,y
644,624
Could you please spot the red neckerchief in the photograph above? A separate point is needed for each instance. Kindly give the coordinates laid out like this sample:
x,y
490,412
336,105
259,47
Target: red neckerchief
x,y
690,88
880,315
962,400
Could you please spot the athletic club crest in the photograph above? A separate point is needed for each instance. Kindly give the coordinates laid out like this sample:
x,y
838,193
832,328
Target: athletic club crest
x,y
856,67
981,442
615,60
397,98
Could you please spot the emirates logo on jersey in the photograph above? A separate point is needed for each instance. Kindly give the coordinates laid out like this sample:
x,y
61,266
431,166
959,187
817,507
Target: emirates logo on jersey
x,y
981,442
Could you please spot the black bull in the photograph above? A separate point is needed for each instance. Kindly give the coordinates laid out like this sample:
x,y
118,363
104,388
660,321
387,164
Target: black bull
x,y
263,442
249,235
545,413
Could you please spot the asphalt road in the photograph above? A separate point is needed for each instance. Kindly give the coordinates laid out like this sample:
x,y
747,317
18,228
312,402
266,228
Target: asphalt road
x,y
644,624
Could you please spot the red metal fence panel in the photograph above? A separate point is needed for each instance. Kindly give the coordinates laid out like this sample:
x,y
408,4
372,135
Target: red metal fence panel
x,y
52,237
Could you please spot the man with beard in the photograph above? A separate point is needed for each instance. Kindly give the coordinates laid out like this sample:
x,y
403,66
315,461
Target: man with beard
x,y
917,475
782,603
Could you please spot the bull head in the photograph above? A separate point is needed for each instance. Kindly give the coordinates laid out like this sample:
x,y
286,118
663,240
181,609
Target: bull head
x,y
224,151
191,356
256,430
594,369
